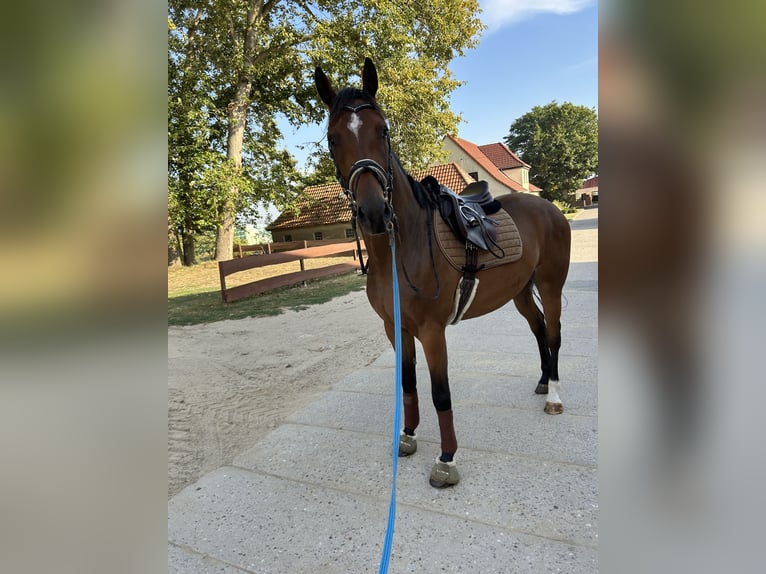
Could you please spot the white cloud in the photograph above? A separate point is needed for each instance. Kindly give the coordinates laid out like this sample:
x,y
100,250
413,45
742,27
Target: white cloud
x,y
499,13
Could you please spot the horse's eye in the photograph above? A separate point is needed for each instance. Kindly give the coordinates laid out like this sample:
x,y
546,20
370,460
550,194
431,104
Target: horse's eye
x,y
332,141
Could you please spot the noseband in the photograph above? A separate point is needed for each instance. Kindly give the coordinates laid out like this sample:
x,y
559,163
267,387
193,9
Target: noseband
x,y
384,177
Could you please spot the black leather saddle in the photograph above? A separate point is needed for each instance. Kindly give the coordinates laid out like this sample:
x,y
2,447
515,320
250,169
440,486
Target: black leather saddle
x,y
467,215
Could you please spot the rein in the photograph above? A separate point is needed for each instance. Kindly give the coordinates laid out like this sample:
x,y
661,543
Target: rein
x,y
414,287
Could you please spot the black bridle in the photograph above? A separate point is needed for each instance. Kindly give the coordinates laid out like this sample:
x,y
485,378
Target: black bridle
x,y
384,176
386,179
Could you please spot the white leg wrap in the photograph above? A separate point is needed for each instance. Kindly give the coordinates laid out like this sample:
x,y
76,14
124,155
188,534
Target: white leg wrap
x,y
553,392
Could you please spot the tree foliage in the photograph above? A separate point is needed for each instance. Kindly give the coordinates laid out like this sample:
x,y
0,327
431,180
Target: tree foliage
x,y
192,141
560,143
235,67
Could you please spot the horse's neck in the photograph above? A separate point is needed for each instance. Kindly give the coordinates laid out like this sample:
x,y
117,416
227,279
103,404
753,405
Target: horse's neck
x,y
412,221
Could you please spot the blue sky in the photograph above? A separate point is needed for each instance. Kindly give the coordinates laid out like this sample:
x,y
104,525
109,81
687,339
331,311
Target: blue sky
x,y
527,60
534,52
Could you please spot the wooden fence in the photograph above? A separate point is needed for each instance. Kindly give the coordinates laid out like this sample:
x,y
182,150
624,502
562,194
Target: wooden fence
x,y
268,248
226,268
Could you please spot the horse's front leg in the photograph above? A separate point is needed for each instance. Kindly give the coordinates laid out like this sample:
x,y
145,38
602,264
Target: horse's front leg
x,y
407,439
444,472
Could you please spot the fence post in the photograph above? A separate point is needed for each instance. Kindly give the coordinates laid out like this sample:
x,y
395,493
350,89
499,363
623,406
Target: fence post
x,y
222,275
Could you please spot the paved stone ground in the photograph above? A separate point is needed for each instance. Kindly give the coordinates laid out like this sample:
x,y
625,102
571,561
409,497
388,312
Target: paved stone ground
x,y
312,496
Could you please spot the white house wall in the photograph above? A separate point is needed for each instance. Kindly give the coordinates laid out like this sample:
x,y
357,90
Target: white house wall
x,y
460,157
335,231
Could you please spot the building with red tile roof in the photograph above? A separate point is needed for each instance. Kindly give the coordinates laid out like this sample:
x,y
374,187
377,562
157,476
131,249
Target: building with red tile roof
x,y
503,170
502,156
319,206
510,164
590,182
448,174
588,193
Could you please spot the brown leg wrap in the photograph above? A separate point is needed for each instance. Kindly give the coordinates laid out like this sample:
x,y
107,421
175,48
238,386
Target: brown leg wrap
x,y
411,410
447,431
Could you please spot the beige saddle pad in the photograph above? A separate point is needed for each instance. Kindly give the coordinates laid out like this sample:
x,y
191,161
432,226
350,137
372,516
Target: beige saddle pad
x,y
508,238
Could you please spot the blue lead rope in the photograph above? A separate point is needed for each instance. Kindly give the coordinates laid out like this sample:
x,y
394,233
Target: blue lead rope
x,y
386,557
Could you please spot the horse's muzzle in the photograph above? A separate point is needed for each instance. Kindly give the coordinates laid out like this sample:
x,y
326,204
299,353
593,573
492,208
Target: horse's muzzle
x,y
375,219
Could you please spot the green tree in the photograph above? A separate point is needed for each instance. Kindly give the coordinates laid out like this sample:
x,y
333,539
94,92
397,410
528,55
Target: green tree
x,y
251,62
560,143
321,168
195,138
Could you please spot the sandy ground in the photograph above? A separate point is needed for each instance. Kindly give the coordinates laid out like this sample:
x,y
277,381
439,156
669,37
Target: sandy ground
x,y
232,382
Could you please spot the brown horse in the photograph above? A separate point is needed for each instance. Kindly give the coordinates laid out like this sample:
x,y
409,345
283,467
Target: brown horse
x,y
383,197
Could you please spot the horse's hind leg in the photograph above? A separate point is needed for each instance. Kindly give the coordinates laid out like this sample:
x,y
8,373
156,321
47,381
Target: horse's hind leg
x,y
550,295
526,306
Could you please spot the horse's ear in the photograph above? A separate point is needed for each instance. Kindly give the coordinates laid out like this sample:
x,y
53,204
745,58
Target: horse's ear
x,y
323,87
369,77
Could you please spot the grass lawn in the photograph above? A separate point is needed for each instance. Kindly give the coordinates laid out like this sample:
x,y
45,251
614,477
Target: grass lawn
x,y
571,216
194,293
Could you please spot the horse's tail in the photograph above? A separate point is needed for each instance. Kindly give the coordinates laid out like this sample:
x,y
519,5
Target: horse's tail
x,y
536,295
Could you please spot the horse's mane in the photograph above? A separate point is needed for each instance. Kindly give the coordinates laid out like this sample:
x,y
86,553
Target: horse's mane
x,y
426,192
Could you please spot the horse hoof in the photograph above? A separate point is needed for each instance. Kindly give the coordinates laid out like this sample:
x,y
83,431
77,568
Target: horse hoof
x,y
554,408
542,389
444,474
407,444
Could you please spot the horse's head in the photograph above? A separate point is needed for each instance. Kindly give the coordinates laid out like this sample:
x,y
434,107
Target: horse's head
x,y
358,138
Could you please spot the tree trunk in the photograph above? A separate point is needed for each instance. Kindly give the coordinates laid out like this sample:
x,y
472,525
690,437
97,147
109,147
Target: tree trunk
x,y
237,118
174,254
224,245
236,135
187,248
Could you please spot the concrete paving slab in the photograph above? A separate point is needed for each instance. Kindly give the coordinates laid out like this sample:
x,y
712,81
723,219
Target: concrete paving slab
x,y
478,388
572,368
502,490
579,369
265,524
184,560
582,271
503,345
492,428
